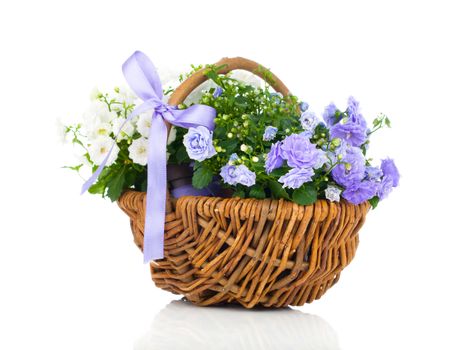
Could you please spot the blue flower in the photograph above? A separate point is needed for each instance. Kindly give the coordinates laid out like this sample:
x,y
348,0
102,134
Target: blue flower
x,y
309,121
353,128
233,157
274,158
303,106
390,170
359,192
218,92
296,177
240,174
373,173
385,187
351,170
269,133
299,152
198,142
329,114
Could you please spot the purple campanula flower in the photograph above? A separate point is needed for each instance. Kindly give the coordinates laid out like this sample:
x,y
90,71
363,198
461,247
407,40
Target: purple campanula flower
x,y
385,187
309,121
218,92
198,142
303,106
296,177
353,128
329,114
299,152
233,157
269,133
332,193
274,158
373,173
389,169
351,170
353,133
240,174
359,192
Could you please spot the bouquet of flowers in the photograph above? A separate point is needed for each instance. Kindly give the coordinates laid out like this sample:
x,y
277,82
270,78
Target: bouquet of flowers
x,y
264,145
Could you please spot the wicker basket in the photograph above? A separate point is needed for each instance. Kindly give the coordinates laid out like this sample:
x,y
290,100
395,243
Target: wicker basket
x,y
267,252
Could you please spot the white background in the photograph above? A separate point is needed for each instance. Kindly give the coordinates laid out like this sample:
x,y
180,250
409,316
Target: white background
x,y
70,276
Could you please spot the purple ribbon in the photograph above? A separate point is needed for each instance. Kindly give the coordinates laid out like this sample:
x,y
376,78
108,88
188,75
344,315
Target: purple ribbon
x,y
143,79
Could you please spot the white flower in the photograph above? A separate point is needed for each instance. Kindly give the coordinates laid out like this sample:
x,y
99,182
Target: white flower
x,y
100,148
124,95
243,148
144,124
94,94
99,112
61,131
172,135
126,132
332,193
138,151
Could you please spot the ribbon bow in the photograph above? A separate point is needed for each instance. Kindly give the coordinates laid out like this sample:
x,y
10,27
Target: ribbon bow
x,y
143,79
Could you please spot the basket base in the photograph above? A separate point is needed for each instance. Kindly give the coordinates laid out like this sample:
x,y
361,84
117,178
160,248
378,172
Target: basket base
x,y
270,253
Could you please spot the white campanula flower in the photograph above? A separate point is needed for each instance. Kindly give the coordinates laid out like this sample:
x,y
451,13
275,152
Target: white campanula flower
x,y
198,142
99,112
172,135
100,147
124,95
95,94
138,151
144,124
332,193
61,132
126,132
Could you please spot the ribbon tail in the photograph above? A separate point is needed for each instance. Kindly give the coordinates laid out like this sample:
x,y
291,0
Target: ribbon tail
x,y
153,239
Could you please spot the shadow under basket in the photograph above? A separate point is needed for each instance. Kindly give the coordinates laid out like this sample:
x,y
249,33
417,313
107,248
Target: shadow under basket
x,y
272,253
266,252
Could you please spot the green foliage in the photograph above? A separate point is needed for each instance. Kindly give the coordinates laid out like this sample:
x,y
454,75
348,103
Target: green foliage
x,y
202,176
374,201
305,195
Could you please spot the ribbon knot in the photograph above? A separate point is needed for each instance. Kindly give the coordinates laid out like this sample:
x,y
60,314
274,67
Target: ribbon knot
x,y
143,79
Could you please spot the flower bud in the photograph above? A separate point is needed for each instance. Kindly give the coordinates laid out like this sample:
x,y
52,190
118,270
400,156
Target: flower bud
x,y
244,148
336,142
230,135
255,159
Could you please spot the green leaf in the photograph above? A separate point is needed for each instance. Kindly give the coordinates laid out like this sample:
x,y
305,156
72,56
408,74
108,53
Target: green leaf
x,y
305,195
181,155
202,176
277,190
257,191
387,122
239,193
374,201
75,168
116,185
97,188
280,171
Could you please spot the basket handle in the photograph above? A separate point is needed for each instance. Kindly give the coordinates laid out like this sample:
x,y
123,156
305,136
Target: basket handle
x,y
230,64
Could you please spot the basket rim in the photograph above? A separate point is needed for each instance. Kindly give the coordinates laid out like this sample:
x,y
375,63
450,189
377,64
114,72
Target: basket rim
x,y
319,200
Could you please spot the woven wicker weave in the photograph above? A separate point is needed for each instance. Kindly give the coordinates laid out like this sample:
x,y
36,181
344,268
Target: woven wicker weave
x,y
272,253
